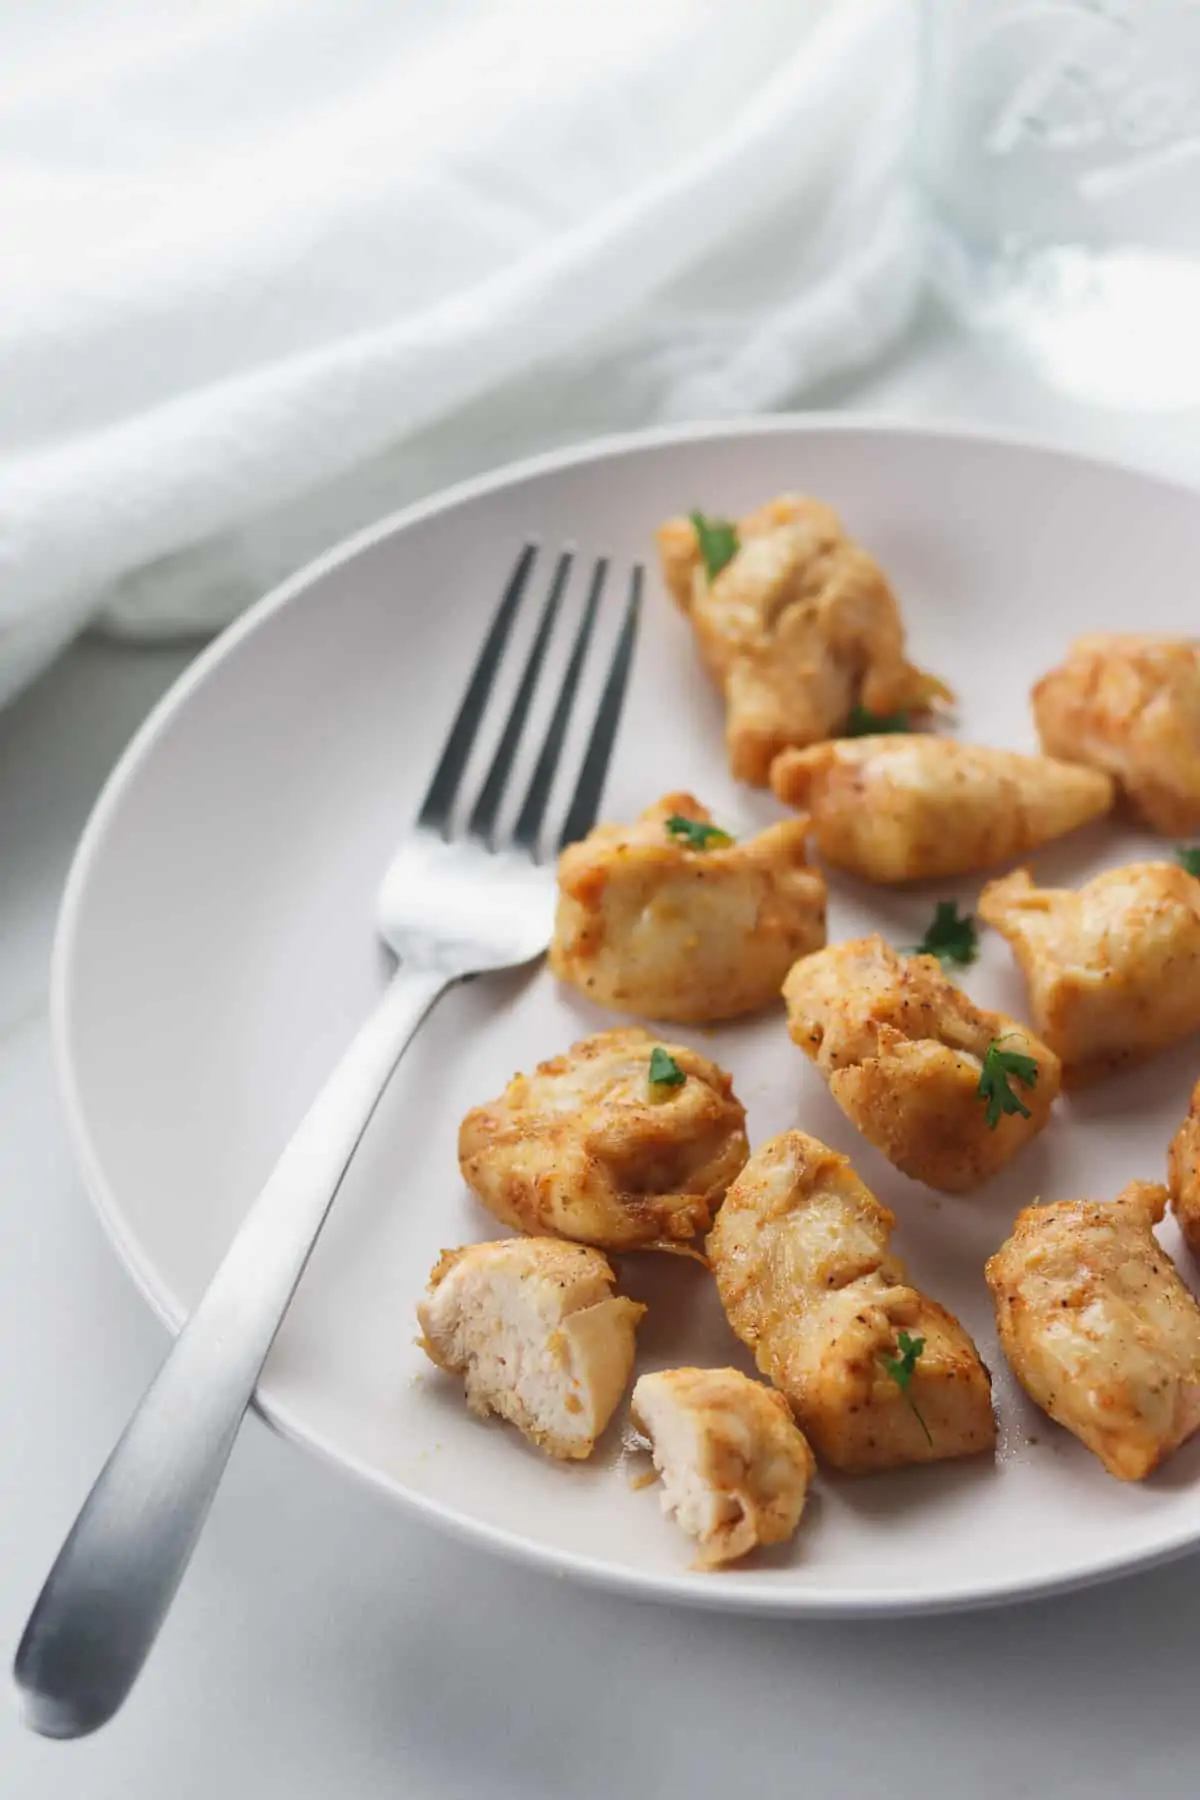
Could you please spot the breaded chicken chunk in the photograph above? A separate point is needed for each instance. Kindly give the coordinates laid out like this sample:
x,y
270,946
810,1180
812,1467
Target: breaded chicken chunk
x,y
670,918
589,1147
1183,1174
904,1053
735,1468
798,628
908,807
538,1337
1131,705
876,1372
1113,967
1098,1327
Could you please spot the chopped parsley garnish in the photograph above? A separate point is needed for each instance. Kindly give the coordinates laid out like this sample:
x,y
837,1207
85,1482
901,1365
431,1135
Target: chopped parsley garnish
x,y
901,1368
665,1072
864,723
952,937
695,834
718,541
1189,858
994,1086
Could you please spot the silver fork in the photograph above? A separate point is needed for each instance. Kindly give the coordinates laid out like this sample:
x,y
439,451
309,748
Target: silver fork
x,y
453,903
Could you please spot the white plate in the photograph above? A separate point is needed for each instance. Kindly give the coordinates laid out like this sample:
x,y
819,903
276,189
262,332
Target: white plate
x,y
216,951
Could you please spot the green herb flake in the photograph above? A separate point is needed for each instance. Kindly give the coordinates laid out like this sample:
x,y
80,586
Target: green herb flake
x,y
718,541
665,1072
1189,858
994,1085
695,835
952,936
901,1368
864,723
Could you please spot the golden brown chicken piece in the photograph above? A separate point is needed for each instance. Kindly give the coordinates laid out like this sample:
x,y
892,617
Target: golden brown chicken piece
x,y
798,629
681,926
1183,1174
908,807
1113,967
587,1147
1131,705
903,1052
1098,1327
532,1327
877,1373
735,1469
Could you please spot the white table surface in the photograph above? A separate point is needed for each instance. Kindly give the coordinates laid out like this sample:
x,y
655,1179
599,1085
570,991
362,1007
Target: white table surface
x,y
326,1646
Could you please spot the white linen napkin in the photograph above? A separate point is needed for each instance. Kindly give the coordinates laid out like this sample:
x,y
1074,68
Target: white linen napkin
x,y
274,267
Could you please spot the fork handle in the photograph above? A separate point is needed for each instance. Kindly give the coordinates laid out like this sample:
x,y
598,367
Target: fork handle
x,y
114,1578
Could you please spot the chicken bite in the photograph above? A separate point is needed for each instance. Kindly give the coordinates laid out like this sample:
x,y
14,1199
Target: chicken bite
x,y
589,1148
1113,968
1099,1329
1130,704
684,924
531,1326
735,1468
1183,1174
904,1053
877,1373
909,807
797,629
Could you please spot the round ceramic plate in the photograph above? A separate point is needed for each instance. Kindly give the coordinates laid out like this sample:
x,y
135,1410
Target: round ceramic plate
x,y
216,953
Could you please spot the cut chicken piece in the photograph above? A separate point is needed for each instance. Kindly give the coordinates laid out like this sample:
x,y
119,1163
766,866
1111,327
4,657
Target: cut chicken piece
x,y
1113,968
876,1372
904,1050
735,1468
588,1147
798,629
1098,1327
1183,1166
533,1329
1131,705
672,919
909,807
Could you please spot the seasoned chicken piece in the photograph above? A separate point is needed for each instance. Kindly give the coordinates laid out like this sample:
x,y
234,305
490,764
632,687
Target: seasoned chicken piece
x,y
908,807
1183,1174
797,629
903,1051
1131,705
531,1326
686,925
1098,1327
588,1147
1113,967
877,1373
735,1468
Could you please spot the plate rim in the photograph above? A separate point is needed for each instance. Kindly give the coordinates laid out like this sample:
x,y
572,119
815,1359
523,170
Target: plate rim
x,y
746,1593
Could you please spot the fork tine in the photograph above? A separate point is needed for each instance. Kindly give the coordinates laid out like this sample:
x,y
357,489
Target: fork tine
x,y
482,823
439,798
589,789
528,827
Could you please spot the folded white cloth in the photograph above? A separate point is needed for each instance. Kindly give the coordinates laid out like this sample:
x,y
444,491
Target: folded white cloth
x,y
273,267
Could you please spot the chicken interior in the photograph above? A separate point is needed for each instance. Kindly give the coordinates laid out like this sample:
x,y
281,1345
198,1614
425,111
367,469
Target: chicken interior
x,y
587,1147
903,1050
532,1326
797,629
1112,968
653,923
801,1259
1130,704
1183,1174
908,807
735,1468
1099,1328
